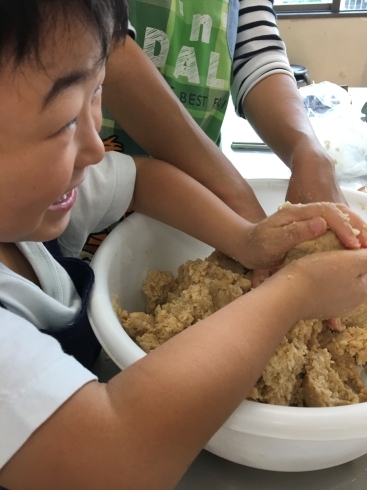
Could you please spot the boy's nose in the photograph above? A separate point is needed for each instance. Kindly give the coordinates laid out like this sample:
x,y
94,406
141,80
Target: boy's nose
x,y
91,150
91,153
97,149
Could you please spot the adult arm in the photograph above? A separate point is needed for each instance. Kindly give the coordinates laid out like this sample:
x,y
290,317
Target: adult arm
x,y
265,92
274,99
138,97
145,427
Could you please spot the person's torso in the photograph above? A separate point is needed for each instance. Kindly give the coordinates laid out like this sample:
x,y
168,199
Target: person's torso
x,y
58,307
192,43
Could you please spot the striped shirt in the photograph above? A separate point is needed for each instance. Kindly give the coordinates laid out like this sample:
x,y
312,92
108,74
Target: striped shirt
x,y
259,52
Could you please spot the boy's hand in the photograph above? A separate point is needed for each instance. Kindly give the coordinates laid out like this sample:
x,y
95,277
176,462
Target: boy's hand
x,y
318,283
267,242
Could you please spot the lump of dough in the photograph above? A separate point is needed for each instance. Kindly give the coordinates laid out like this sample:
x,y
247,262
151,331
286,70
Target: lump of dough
x,y
325,243
322,386
358,317
312,365
156,288
280,381
201,288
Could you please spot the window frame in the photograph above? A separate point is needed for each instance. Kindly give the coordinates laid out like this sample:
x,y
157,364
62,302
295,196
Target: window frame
x,y
322,10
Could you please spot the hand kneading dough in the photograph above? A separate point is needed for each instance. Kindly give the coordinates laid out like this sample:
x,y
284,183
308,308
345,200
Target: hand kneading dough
x,y
312,366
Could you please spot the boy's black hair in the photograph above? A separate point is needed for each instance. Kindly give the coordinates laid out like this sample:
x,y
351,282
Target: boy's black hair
x,y
25,25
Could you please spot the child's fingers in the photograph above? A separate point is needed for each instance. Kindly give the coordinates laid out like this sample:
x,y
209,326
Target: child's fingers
x,y
259,276
269,245
338,220
298,232
356,222
334,324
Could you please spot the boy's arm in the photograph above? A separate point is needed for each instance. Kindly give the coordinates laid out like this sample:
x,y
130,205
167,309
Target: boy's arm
x,y
138,97
276,111
169,195
145,427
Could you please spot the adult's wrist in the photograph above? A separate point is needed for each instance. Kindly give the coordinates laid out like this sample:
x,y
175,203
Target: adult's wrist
x,y
313,176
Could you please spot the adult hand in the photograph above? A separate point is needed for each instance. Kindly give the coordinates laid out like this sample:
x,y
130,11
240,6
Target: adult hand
x,y
267,243
313,178
276,111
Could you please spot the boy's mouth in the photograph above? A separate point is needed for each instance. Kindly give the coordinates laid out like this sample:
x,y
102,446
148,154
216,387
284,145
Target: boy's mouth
x,y
65,202
62,198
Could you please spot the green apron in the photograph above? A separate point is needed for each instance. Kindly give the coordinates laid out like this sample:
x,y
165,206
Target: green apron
x,y
191,42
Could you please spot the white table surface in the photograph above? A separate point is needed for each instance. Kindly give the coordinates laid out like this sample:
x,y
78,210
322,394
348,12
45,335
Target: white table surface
x,y
209,472
257,164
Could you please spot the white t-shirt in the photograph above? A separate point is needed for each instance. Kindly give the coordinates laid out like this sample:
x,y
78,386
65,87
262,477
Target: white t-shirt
x,y
36,377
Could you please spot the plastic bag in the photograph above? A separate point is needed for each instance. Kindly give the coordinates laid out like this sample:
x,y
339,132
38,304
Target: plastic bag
x,y
338,127
346,143
323,98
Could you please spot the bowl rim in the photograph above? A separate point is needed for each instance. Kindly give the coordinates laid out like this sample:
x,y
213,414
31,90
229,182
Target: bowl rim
x,y
281,422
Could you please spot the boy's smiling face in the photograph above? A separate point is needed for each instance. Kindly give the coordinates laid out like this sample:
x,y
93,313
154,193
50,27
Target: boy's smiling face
x,y
49,122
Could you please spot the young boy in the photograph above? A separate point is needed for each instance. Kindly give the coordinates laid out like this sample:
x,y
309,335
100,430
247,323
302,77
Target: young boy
x,y
59,427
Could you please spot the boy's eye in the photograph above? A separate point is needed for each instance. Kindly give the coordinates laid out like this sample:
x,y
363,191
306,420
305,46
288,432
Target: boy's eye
x,y
98,91
73,122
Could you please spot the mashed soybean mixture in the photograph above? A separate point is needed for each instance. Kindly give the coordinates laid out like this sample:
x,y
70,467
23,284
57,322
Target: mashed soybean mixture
x,y
313,366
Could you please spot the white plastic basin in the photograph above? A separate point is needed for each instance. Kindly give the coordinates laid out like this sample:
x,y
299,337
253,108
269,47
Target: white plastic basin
x,y
258,435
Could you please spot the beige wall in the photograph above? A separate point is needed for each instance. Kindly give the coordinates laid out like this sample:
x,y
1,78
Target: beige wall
x,y
331,49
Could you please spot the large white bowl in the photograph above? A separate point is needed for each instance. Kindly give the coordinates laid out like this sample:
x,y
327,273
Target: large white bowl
x,y
258,435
